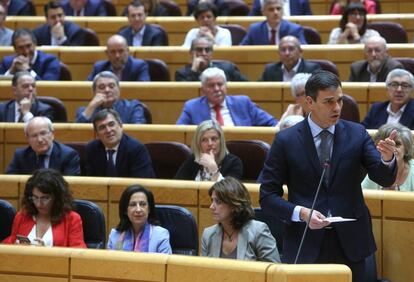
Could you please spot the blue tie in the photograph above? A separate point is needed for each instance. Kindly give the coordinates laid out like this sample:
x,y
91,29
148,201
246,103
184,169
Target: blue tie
x,y
110,167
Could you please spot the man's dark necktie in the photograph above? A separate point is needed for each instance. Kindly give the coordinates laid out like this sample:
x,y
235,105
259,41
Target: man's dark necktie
x,y
273,36
325,153
110,167
40,163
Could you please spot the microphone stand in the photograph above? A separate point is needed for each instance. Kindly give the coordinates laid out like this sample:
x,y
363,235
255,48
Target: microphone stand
x,y
325,166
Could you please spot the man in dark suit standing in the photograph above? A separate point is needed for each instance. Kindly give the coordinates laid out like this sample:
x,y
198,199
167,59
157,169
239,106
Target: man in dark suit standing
x,y
43,151
25,105
297,157
115,154
400,107
57,31
291,62
377,63
89,8
124,66
139,33
270,31
42,66
201,54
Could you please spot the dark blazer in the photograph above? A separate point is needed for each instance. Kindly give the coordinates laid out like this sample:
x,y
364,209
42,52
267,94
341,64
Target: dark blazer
x,y
19,8
134,70
153,36
132,159
242,110
74,34
231,70
273,71
46,66
293,160
63,159
8,110
297,8
92,8
378,115
131,111
359,71
222,7
230,166
258,33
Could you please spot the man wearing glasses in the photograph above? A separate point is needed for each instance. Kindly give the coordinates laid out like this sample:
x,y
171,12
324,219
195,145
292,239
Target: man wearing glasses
x,y
201,53
400,107
43,151
377,63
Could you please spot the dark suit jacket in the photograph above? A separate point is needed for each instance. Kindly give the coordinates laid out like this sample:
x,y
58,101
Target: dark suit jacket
x,y
359,71
132,159
258,33
63,159
297,8
230,166
92,8
153,36
273,71
8,110
242,110
293,160
231,70
46,66
131,111
134,70
378,115
19,8
74,34
222,7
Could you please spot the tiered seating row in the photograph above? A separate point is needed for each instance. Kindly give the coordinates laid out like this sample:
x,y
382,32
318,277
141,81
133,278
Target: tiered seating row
x,y
392,212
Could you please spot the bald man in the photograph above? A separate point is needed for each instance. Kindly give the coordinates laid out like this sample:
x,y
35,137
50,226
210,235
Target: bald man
x,y
124,66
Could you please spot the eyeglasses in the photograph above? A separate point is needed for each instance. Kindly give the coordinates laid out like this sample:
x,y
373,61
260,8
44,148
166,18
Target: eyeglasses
x,y
41,134
404,86
205,49
43,200
141,204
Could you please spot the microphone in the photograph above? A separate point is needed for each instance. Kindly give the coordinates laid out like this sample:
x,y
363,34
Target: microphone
x,y
325,167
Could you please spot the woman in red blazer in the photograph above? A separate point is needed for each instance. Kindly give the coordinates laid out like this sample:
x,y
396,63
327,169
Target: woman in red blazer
x,y
47,217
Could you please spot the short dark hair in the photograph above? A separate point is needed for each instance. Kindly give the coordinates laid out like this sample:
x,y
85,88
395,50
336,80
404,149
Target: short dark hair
x,y
102,114
351,8
321,80
51,182
233,193
18,75
22,32
124,222
205,7
135,4
53,4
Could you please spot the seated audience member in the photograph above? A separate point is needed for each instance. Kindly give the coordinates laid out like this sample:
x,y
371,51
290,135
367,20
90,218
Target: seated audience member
x,y
25,105
43,151
107,94
140,33
236,235
291,62
290,8
113,153
205,14
17,7
290,121
377,63
400,107
404,154
210,161
42,66
270,31
57,31
201,53
5,33
47,217
227,110
154,9
138,229
124,66
222,7
88,8
340,6
352,27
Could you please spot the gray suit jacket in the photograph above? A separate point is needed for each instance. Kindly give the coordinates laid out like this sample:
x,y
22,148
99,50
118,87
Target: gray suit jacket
x,y
359,72
254,242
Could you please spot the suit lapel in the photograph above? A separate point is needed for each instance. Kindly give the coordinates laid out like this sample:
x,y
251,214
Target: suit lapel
x,y
146,36
340,140
408,114
265,33
232,110
216,241
242,244
11,112
54,156
305,137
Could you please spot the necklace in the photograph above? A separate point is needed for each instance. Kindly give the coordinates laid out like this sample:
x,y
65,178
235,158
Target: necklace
x,y
229,236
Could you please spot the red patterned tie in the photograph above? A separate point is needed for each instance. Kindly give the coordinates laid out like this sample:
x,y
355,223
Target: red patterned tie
x,y
272,37
219,117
